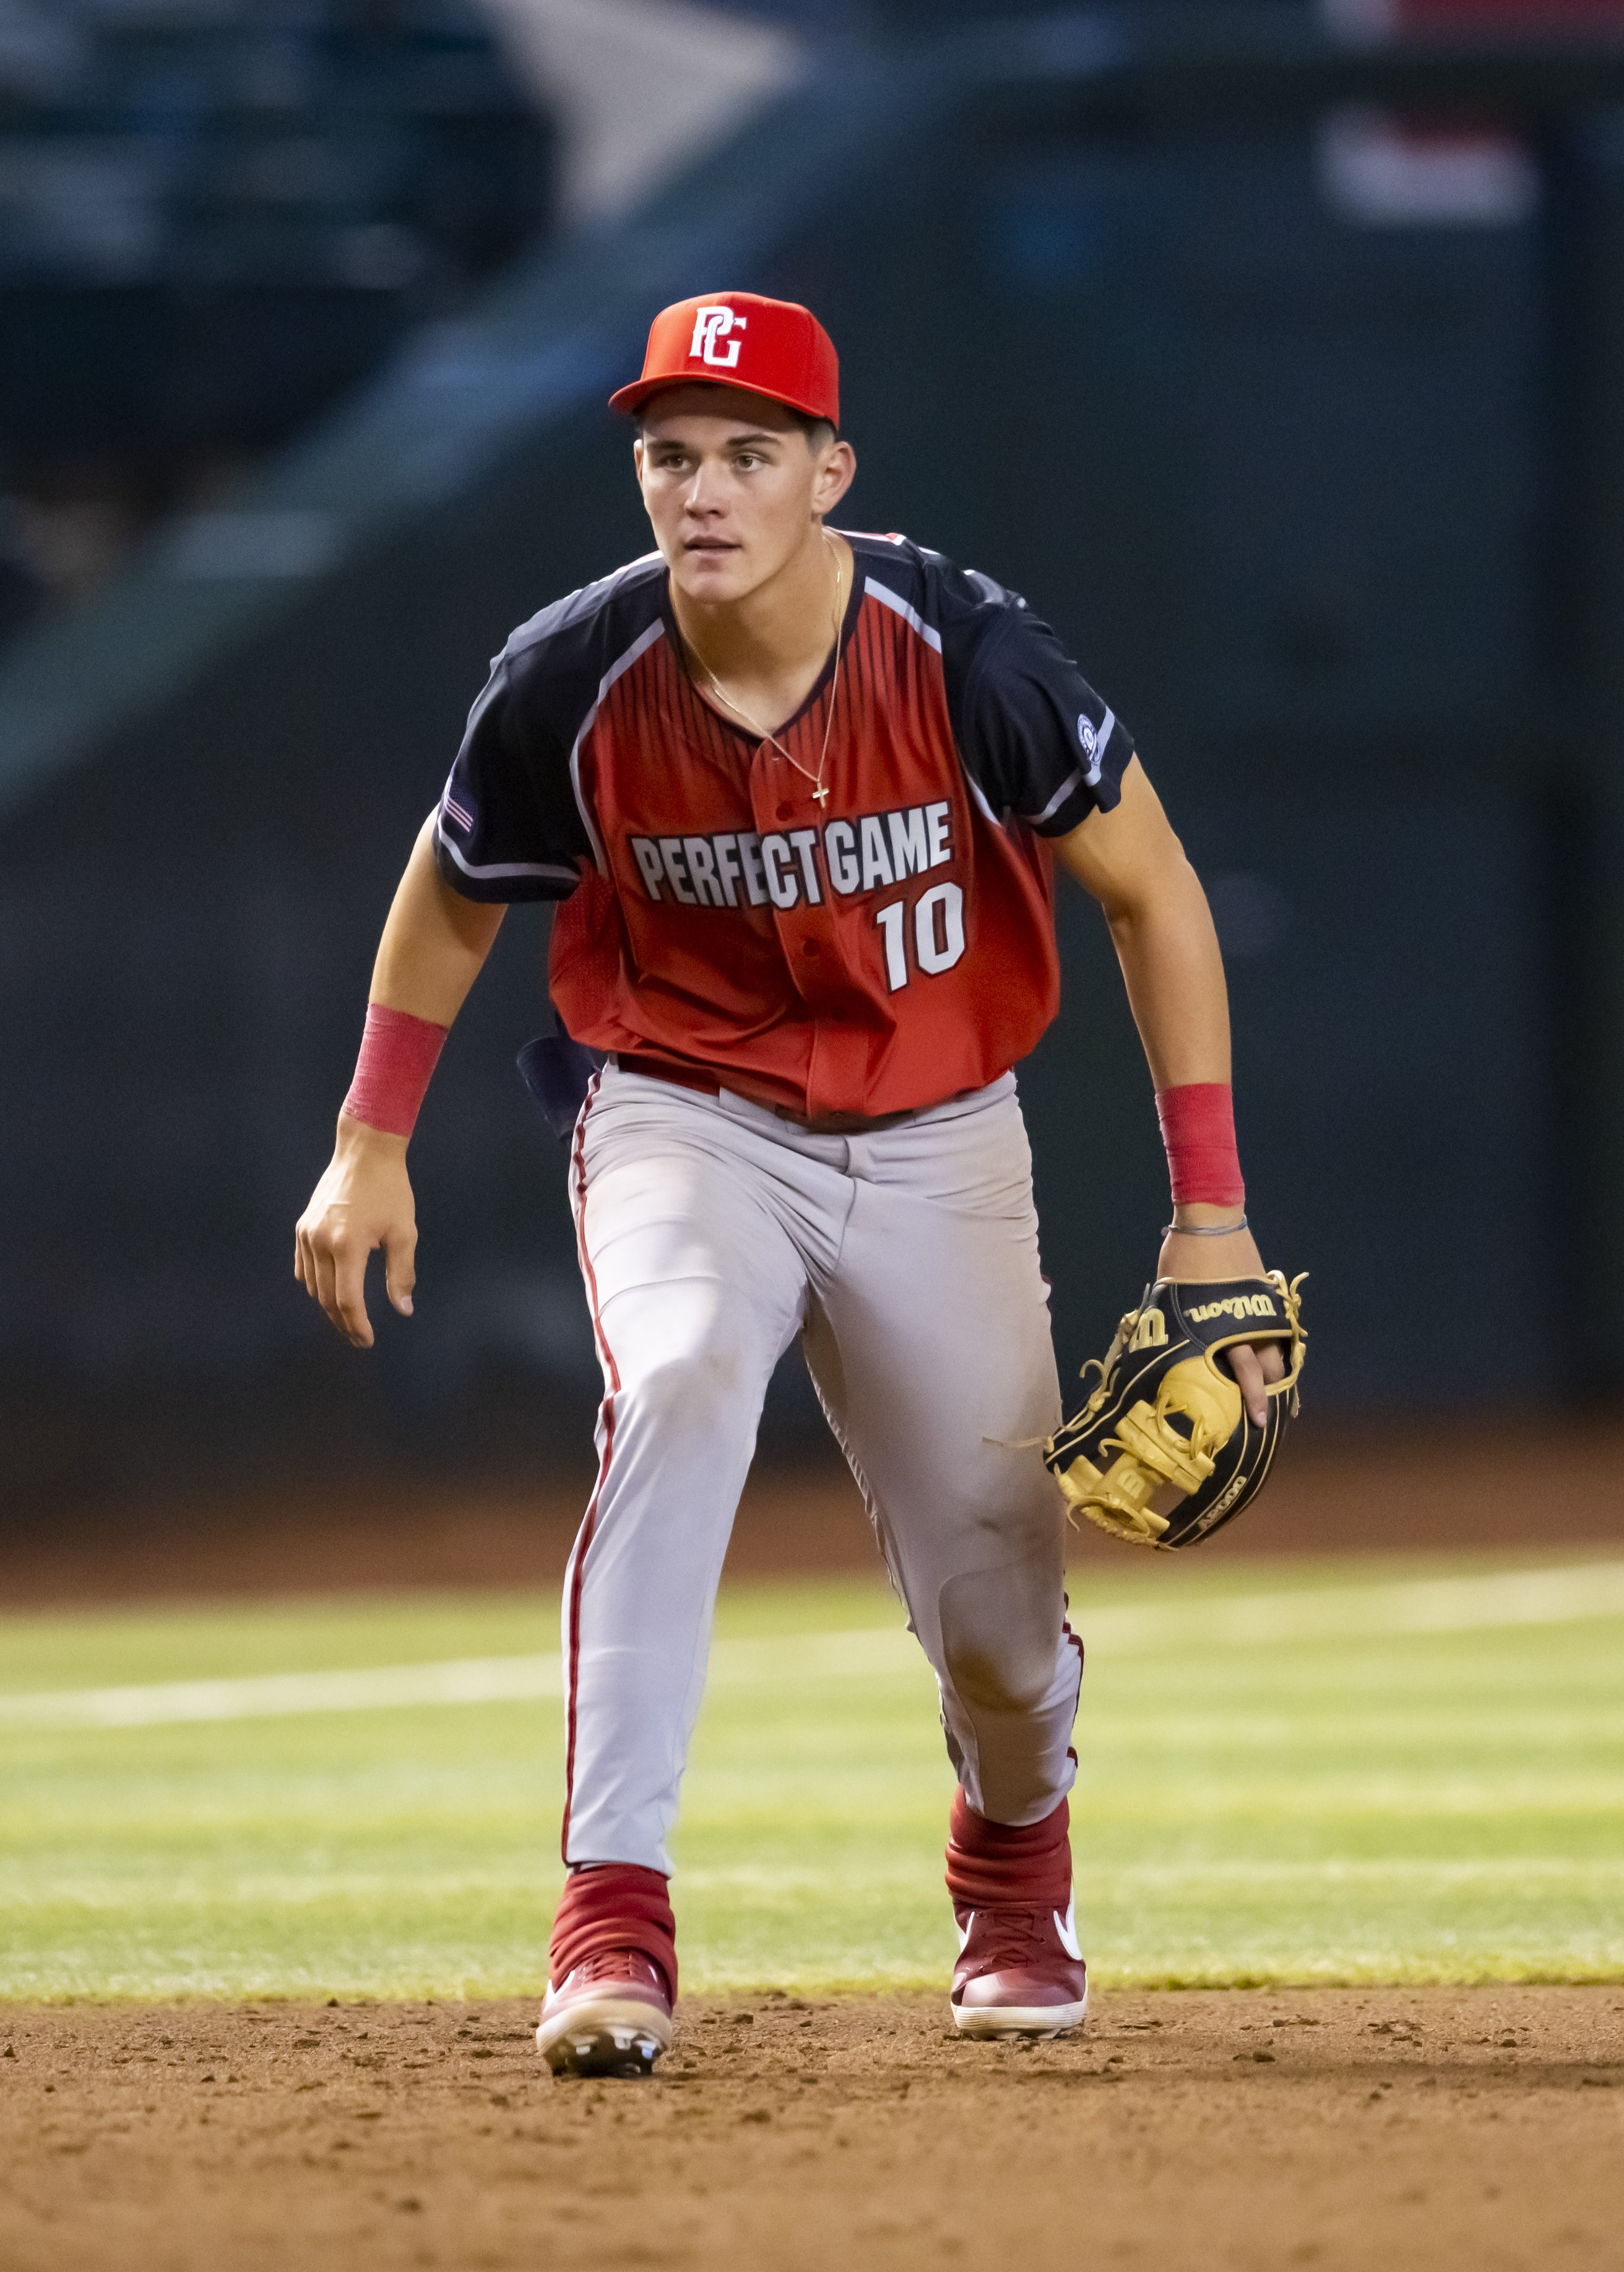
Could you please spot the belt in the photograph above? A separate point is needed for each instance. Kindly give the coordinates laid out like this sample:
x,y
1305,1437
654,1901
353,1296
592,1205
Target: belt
x,y
829,1124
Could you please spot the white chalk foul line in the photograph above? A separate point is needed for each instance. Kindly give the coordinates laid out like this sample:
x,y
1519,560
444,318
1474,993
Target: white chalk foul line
x,y
461,1680
1376,1612
1334,1613
863,1652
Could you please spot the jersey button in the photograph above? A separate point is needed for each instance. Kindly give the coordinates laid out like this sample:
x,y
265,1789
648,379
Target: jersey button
x,y
811,947
786,812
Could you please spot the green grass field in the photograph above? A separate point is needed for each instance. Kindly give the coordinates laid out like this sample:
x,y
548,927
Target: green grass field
x,y
1338,1773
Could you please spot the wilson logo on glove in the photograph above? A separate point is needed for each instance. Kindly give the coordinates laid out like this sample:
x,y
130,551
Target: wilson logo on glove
x,y
1236,1305
1151,1332
1165,1452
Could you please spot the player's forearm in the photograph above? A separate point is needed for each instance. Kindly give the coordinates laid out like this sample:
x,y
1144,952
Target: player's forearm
x,y
1130,859
1174,972
435,942
433,946
1134,864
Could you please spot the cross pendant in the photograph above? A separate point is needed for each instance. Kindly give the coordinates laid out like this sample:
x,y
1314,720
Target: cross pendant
x,y
822,794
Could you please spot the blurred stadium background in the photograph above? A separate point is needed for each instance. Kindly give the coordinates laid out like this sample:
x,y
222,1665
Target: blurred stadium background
x,y
1275,353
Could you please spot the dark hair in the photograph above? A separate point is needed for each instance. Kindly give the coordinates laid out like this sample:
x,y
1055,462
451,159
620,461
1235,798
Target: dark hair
x,y
820,432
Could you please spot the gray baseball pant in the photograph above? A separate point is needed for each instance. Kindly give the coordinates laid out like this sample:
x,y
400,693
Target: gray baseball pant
x,y
711,1232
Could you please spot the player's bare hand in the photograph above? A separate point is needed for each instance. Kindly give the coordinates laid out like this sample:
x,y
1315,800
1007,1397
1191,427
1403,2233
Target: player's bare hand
x,y
1236,1256
362,1202
1253,1363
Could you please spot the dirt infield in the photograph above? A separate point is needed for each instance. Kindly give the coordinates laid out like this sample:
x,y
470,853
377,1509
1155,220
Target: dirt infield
x,y
1435,1486
1478,2128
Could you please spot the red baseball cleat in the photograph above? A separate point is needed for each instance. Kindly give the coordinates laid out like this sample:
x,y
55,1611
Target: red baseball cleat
x,y
1020,1972
610,2015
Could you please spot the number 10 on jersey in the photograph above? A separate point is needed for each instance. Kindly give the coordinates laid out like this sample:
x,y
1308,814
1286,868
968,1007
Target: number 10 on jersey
x,y
938,933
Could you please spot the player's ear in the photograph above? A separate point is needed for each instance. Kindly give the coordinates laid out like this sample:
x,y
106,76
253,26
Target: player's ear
x,y
834,476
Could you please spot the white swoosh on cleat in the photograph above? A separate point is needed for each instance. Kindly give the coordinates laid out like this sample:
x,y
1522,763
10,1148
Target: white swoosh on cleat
x,y
1067,1930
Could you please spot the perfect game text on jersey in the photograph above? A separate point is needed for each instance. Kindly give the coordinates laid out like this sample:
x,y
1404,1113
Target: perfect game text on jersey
x,y
890,950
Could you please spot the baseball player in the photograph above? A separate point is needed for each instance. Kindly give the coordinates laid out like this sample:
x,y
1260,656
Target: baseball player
x,y
799,792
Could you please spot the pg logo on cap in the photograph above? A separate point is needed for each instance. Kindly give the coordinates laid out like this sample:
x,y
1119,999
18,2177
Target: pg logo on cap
x,y
711,326
700,340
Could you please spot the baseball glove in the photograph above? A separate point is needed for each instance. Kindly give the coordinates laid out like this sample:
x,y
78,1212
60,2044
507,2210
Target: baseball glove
x,y
1165,1452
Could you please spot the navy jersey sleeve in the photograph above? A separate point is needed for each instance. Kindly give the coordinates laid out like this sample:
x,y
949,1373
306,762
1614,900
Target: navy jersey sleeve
x,y
508,827
1038,741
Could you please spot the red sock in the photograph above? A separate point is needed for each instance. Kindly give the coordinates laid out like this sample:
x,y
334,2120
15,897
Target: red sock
x,y
613,1905
994,1865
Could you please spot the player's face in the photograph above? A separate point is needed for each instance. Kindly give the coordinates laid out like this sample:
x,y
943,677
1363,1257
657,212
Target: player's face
x,y
733,489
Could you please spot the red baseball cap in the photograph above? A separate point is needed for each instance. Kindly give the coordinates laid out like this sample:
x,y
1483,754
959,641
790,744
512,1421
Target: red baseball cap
x,y
774,347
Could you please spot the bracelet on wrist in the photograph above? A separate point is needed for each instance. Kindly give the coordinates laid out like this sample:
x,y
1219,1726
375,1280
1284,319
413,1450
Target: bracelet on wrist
x,y
1202,1229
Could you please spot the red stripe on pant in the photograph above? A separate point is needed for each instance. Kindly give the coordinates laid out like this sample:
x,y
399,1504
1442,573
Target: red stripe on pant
x,y
577,1163
1075,1640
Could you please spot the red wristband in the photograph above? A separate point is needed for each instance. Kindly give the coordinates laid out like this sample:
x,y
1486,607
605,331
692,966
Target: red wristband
x,y
398,1052
1198,1129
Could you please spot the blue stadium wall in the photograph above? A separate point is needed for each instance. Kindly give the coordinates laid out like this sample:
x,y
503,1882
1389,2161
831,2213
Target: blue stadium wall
x,y
1279,482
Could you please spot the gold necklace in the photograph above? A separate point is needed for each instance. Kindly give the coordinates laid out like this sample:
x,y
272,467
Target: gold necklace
x,y
818,790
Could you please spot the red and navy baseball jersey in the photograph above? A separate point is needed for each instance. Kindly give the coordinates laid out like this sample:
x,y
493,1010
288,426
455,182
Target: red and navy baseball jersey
x,y
888,948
